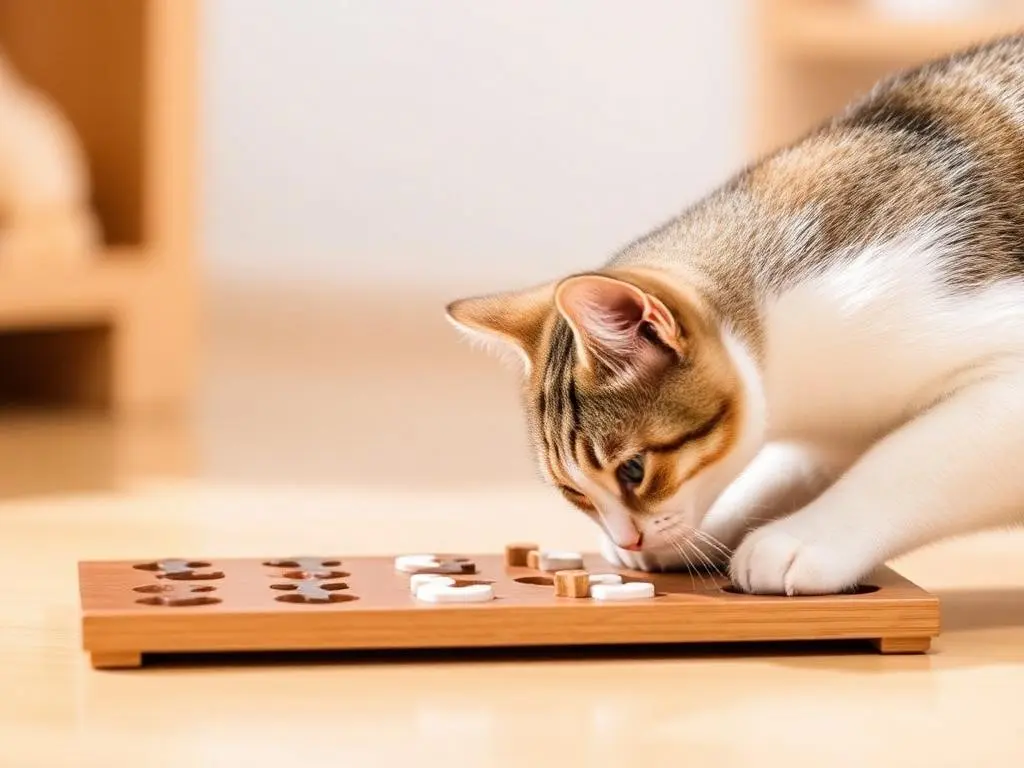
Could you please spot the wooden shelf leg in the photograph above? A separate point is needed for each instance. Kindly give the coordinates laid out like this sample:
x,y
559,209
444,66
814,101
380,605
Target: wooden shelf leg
x,y
116,659
153,352
902,644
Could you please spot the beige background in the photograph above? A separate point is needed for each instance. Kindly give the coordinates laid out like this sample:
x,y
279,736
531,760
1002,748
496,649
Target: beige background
x,y
458,143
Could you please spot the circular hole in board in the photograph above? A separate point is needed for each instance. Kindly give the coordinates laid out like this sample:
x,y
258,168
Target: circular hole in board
x,y
302,575
192,575
156,589
537,581
301,563
155,566
863,589
178,602
330,587
295,597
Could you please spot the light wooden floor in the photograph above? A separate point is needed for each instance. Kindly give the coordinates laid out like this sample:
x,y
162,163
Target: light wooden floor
x,y
294,449
377,391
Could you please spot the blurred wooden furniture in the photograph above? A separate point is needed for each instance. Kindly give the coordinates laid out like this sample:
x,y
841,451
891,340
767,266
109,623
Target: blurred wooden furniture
x,y
814,56
120,332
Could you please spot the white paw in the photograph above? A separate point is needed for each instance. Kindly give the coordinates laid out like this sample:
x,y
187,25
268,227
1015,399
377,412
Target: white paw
x,y
776,560
624,558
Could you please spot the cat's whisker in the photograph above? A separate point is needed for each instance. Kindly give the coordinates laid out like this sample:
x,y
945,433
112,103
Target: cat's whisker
x,y
691,566
688,533
686,558
703,579
703,555
715,544
684,546
710,539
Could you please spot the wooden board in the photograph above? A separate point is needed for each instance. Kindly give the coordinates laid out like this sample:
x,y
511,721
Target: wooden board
x,y
249,608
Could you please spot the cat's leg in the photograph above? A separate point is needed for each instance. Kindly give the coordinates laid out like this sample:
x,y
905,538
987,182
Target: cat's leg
x,y
952,470
782,478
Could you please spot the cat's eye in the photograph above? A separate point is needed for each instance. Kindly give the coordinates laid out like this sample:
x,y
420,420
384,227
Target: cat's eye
x,y
631,473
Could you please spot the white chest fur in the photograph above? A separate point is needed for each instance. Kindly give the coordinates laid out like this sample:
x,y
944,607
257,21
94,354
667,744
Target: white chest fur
x,y
865,345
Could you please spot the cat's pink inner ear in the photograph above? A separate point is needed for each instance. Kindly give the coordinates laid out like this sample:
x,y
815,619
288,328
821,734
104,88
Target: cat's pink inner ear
x,y
602,312
608,314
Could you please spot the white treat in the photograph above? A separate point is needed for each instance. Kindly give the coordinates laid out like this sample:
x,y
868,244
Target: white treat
x,y
560,561
442,593
419,579
633,590
605,578
413,563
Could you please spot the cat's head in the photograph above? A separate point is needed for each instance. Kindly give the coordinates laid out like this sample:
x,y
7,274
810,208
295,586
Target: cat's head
x,y
638,408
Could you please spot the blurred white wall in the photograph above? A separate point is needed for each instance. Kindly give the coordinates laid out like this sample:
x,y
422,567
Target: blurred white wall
x,y
459,143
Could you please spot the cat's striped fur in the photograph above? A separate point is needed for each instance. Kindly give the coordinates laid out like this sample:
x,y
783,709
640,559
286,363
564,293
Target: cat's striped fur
x,y
832,343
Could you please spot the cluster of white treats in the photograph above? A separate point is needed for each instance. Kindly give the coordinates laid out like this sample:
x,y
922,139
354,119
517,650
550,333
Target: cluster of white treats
x,y
438,588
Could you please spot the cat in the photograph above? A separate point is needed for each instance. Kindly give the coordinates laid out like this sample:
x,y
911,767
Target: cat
x,y
45,217
816,368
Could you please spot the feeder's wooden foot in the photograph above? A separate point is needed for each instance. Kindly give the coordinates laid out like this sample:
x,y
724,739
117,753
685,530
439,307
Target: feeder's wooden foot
x,y
902,644
116,659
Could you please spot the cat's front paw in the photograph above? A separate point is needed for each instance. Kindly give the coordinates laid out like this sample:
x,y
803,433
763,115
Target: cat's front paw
x,y
777,560
624,558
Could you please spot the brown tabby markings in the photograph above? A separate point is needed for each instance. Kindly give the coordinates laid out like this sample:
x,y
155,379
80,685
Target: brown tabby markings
x,y
579,418
944,141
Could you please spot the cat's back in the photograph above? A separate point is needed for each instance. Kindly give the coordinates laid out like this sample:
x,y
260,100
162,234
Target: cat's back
x,y
934,153
969,104
985,76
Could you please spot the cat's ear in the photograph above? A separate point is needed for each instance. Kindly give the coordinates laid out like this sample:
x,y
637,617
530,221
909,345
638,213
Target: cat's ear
x,y
506,321
613,320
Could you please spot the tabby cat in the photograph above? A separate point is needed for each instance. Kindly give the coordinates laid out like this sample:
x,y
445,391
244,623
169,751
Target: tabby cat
x,y
819,366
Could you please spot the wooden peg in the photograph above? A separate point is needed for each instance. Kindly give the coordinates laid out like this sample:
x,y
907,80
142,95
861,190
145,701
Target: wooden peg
x,y
572,584
533,559
517,555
